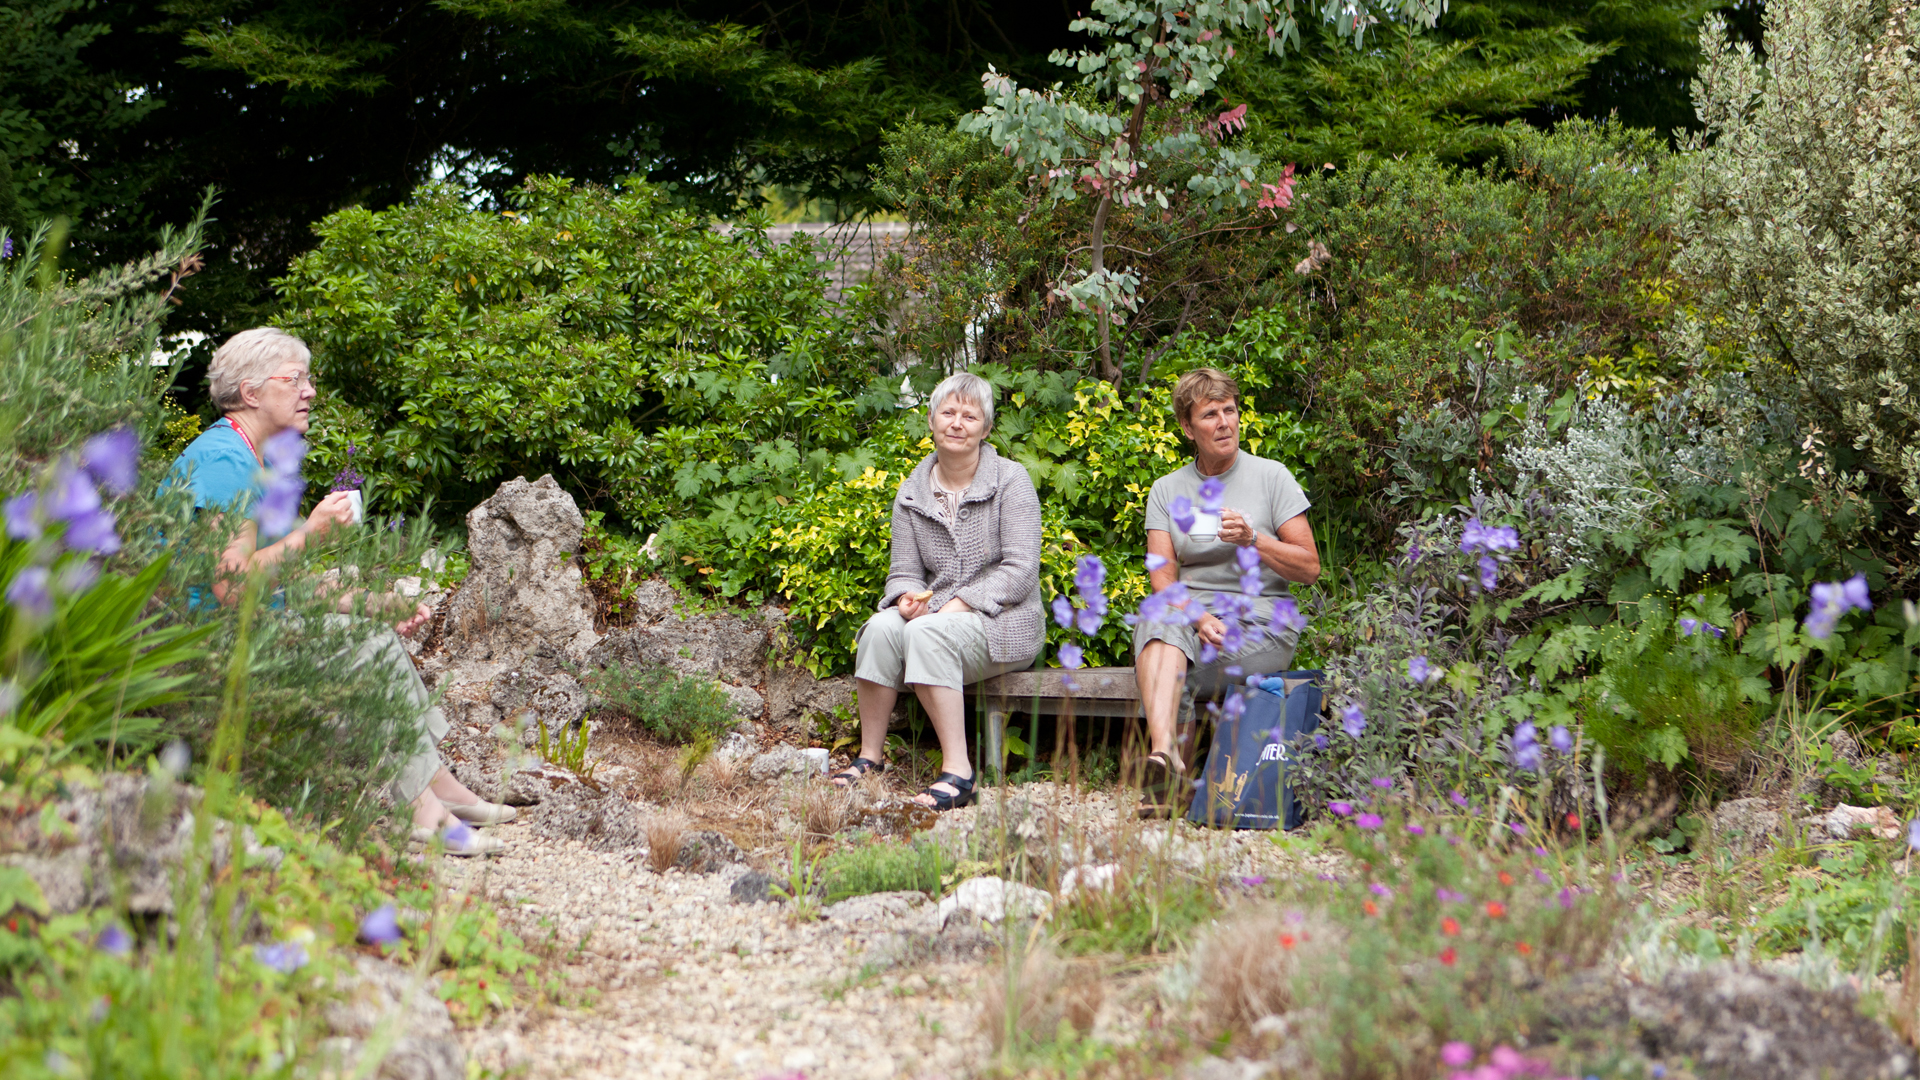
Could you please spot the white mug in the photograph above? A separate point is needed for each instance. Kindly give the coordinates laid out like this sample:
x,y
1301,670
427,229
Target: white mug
x,y
358,503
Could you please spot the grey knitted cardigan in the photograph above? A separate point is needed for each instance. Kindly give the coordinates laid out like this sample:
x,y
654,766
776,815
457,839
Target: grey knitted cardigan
x,y
989,556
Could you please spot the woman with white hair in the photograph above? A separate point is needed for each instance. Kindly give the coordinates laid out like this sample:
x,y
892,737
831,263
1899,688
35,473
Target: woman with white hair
x,y
962,600
262,382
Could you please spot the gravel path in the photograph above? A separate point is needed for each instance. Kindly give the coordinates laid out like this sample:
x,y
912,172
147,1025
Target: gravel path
x,y
680,979
692,984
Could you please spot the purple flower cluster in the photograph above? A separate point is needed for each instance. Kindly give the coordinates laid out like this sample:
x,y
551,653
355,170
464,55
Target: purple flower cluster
x,y
1526,746
348,478
69,496
1691,626
1089,582
1490,543
1832,599
1353,721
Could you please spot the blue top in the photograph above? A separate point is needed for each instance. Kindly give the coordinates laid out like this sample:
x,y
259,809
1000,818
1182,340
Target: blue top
x,y
221,471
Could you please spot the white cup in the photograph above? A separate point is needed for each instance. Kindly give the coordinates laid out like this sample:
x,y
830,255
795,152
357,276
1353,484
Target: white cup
x,y
358,504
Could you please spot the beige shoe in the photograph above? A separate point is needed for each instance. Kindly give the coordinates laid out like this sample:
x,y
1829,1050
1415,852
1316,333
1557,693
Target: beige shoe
x,y
483,813
459,840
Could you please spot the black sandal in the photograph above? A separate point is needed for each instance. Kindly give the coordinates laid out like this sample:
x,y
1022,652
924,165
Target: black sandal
x,y
853,773
962,792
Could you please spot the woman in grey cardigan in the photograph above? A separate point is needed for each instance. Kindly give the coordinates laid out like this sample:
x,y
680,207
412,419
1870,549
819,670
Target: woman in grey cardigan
x,y
962,601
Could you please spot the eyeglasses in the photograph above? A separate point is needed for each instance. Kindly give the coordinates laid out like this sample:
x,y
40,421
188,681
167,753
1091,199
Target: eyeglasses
x,y
300,382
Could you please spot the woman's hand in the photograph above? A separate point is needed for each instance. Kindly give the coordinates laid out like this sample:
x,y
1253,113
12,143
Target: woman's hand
x,y
953,605
422,615
913,605
1234,528
1211,630
335,509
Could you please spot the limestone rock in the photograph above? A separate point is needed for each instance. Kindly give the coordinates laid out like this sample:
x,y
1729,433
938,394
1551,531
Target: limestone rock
x,y
992,900
1088,877
779,762
753,887
875,908
1737,1023
738,746
132,833
555,700
533,782
795,697
1842,820
424,1047
707,851
725,648
1745,827
747,702
524,590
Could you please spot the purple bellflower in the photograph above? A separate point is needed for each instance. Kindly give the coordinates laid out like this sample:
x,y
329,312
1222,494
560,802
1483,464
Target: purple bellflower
x,y
113,458
1070,656
23,518
31,590
1212,490
1832,599
1063,612
279,508
1181,510
1353,721
71,495
381,926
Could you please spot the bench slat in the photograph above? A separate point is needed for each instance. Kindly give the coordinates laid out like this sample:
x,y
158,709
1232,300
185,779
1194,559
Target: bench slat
x,y
1090,684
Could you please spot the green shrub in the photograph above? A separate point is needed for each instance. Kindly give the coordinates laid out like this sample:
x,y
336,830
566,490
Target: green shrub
x,y
885,866
645,359
1803,200
672,707
1667,699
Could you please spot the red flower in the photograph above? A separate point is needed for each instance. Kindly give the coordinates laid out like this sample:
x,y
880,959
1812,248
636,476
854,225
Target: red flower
x,y
1506,878
1496,909
1524,949
1449,926
1286,941
1573,821
1448,956
1370,908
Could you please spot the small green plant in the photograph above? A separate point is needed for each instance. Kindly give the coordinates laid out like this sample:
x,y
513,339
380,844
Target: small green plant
x,y
669,706
885,866
1851,908
1152,918
567,747
801,890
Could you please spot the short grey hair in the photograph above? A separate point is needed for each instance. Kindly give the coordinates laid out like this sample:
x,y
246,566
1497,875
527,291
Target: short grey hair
x,y
249,358
965,385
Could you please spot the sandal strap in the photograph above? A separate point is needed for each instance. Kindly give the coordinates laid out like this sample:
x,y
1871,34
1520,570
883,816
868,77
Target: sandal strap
x,y
961,784
962,788
860,767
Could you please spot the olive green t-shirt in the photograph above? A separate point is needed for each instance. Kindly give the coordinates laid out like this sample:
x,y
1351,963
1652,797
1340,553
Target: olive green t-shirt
x,y
1263,490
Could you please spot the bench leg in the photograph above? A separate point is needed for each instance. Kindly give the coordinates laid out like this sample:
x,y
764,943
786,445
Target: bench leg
x,y
996,748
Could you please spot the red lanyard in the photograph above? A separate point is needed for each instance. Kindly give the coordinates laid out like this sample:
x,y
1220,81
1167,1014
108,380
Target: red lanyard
x,y
245,439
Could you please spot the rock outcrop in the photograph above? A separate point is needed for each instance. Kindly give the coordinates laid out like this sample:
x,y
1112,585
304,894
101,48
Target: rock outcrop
x,y
523,595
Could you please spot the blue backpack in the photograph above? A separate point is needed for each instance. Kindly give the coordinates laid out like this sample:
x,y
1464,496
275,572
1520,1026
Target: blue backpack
x,y
1245,783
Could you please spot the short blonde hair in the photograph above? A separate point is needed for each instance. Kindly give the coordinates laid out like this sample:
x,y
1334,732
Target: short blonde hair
x,y
965,385
1199,386
249,358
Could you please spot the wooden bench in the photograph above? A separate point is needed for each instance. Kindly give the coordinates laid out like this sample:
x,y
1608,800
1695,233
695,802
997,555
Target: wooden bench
x,y
1108,691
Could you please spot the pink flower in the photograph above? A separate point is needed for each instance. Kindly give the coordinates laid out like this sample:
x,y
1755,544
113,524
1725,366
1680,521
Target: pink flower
x,y
1456,1055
